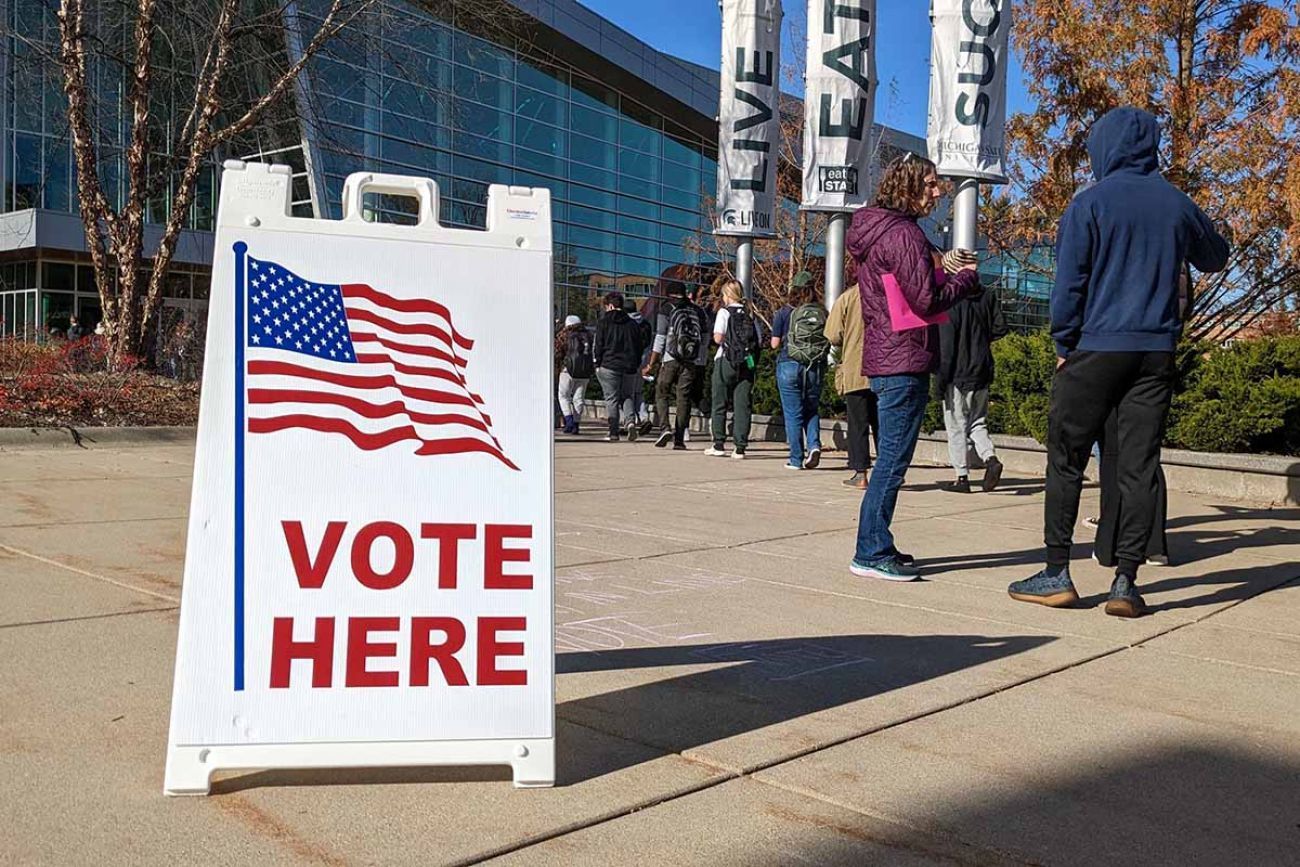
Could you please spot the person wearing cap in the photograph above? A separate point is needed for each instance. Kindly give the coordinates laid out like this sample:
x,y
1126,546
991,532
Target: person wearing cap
x,y
573,360
798,331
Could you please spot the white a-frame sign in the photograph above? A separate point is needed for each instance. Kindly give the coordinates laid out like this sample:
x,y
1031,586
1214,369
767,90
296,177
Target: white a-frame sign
x,y
368,574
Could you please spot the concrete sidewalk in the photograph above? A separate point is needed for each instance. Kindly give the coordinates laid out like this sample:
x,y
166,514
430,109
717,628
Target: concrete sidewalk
x,y
728,693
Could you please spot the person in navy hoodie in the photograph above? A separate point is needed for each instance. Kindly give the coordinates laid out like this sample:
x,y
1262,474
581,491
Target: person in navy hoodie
x,y
1115,318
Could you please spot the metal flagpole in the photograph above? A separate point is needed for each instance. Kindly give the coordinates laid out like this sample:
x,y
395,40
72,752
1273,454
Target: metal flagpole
x,y
835,232
965,213
745,265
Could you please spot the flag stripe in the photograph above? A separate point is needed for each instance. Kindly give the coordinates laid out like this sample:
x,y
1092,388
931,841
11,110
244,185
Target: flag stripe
x,y
378,381
410,348
360,407
373,441
406,305
413,370
356,314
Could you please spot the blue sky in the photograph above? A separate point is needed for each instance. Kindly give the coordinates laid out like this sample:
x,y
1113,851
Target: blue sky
x,y
692,29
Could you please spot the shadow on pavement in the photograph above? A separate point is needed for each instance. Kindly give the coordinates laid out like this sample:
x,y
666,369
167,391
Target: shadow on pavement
x,y
752,685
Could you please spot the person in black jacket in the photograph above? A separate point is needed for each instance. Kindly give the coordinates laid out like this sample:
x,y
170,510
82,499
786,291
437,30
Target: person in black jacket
x,y
964,376
618,347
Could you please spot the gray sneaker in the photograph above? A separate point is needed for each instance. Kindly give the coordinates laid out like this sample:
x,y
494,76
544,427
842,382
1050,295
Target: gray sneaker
x,y
1053,589
1124,600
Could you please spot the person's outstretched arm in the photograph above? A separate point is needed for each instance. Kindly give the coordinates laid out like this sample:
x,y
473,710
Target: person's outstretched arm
x,y
914,269
1208,251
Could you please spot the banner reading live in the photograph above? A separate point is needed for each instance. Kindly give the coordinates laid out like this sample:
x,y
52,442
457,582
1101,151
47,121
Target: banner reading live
x,y
749,127
839,104
368,575
968,87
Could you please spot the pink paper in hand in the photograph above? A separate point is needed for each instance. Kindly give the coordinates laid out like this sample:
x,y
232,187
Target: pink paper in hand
x,y
901,315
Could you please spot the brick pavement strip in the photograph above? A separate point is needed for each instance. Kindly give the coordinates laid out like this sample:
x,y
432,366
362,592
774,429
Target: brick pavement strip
x,y
728,693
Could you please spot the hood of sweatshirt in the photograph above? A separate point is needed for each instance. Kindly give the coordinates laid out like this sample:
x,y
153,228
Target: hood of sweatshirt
x,y
1124,140
617,317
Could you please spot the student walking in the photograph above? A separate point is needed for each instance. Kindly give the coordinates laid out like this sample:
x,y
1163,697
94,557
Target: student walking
x,y
799,332
617,352
844,331
964,376
681,340
897,269
1115,319
573,354
736,335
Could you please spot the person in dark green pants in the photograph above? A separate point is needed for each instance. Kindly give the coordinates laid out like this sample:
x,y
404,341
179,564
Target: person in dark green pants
x,y
736,334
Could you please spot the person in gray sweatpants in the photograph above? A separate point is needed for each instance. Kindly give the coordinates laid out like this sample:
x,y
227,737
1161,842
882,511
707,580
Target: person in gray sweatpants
x,y
964,376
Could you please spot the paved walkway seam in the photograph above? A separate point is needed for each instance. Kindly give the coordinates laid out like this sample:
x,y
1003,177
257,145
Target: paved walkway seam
x,y
58,620
47,561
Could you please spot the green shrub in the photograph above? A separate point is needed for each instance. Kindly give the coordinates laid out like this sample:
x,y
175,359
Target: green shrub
x,y
1242,398
1022,385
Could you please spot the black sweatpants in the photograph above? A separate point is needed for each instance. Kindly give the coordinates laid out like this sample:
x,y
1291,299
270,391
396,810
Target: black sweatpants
x,y
1137,386
1113,505
864,425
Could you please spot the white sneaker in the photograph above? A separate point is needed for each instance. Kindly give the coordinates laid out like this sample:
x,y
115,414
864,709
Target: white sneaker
x,y
687,437
737,456
790,466
714,452
814,458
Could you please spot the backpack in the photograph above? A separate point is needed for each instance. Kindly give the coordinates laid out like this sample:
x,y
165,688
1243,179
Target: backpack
x,y
685,334
578,361
740,342
806,340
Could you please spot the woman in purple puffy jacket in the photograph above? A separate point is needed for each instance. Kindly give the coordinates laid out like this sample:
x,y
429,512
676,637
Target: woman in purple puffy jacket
x,y
897,263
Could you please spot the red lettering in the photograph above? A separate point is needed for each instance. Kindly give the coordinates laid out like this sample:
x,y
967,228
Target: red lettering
x,y
360,649
422,650
320,650
449,537
403,555
495,555
489,650
311,574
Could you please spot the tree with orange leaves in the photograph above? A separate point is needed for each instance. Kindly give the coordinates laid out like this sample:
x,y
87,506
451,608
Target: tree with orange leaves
x,y
1223,77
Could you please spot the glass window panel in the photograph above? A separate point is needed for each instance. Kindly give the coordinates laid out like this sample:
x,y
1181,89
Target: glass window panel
x,y
559,189
593,94
586,237
681,198
464,167
639,246
28,86
483,56
487,148
89,313
638,137
56,310
594,198
679,218
593,260
57,175
202,286
426,36
638,208
675,252
414,156
533,161
60,275
683,150
27,172
595,124
487,89
639,165
535,105
543,76
638,187
482,120
85,278
591,152
591,218
469,191
634,265
681,177
337,79
541,137
176,285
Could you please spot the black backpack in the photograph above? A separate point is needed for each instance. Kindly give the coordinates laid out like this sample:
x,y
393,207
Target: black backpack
x,y
685,332
740,342
578,361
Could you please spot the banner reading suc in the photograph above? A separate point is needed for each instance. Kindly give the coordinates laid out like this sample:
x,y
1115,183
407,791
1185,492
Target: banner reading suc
x,y
968,87
839,104
368,571
749,128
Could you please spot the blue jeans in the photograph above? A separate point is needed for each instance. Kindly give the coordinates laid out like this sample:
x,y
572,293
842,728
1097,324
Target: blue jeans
x,y
801,390
902,400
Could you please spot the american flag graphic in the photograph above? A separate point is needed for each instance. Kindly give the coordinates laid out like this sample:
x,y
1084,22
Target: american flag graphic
x,y
353,361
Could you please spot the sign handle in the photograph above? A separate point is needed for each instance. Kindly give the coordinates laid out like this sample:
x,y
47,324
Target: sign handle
x,y
360,183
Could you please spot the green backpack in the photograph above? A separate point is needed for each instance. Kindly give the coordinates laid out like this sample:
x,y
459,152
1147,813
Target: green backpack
x,y
806,340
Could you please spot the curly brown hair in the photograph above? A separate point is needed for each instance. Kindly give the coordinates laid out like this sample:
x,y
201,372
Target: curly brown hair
x,y
902,186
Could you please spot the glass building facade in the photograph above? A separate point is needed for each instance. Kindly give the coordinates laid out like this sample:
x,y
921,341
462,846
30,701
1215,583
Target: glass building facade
x,y
410,93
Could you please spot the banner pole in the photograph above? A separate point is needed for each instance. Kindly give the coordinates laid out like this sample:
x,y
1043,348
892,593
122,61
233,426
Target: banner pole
x,y
836,229
965,214
745,266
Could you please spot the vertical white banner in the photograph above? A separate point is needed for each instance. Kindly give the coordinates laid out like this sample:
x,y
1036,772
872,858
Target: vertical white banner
x,y
839,104
749,122
968,87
